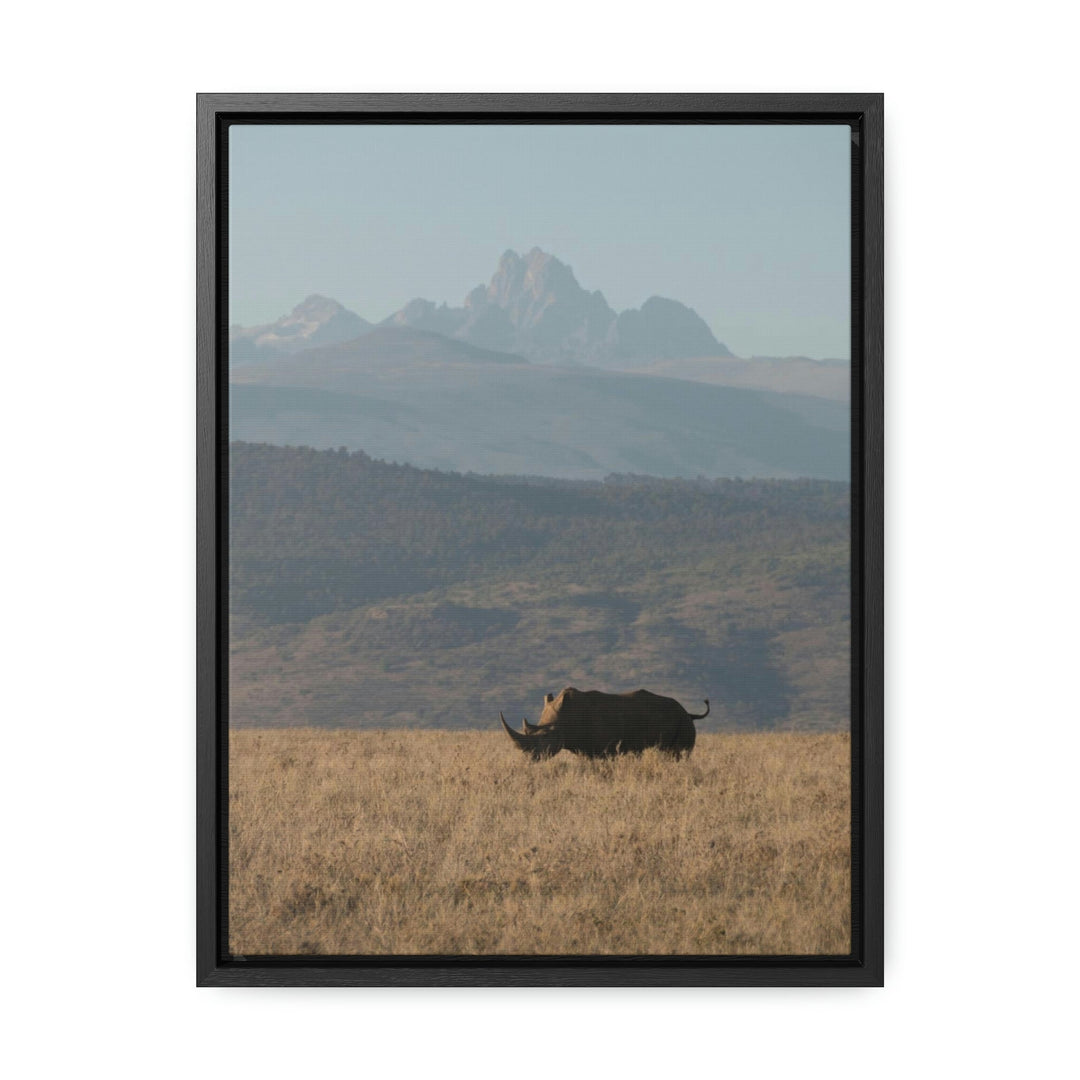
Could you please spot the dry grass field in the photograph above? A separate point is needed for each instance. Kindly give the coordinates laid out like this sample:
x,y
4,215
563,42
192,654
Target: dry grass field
x,y
436,842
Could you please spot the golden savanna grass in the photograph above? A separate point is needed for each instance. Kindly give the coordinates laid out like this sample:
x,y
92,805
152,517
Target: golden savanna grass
x,y
422,842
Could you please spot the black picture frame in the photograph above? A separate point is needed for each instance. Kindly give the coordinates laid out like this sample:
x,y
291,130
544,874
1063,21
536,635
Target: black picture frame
x,y
864,114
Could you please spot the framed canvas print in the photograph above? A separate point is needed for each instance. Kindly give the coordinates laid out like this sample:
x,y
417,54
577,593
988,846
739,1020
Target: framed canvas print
x,y
540,539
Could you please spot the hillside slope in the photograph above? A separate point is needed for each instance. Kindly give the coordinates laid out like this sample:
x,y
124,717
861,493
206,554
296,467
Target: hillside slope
x,y
366,594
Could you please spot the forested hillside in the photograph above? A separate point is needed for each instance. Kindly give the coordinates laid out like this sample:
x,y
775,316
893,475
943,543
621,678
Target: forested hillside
x,y
370,594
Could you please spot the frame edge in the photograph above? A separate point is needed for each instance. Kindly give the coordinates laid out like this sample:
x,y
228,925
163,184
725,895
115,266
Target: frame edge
x,y
211,968
206,523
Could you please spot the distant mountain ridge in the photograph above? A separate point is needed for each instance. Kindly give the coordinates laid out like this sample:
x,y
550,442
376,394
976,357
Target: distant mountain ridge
x,y
535,375
533,307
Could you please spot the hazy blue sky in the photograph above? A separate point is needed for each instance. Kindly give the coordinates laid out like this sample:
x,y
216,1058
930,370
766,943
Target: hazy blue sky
x,y
749,225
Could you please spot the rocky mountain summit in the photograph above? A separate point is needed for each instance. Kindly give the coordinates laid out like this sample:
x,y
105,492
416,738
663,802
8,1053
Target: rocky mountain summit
x,y
532,307
535,307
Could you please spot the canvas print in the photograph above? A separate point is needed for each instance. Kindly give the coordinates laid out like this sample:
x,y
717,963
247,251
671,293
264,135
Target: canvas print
x,y
539,539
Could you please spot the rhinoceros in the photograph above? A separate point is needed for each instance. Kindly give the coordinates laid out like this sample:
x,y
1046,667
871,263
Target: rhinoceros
x,y
596,724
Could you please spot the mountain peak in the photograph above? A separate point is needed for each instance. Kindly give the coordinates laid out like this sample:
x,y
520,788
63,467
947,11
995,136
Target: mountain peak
x,y
316,320
317,308
533,305
535,266
663,329
538,257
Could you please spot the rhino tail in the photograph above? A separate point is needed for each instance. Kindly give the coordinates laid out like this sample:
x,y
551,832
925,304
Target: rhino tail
x,y
700,716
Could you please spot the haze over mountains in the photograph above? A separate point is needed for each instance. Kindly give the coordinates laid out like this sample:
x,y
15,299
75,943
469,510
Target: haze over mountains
x,y
536,375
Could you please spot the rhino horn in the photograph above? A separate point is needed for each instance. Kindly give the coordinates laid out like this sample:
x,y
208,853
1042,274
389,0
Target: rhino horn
x,y
520,739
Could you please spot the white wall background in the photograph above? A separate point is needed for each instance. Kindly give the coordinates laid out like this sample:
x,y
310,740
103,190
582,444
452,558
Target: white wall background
x,y
98,430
